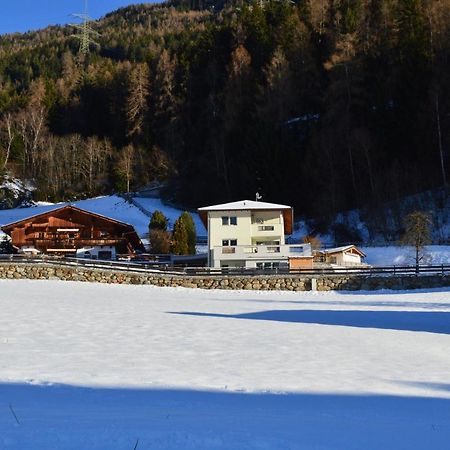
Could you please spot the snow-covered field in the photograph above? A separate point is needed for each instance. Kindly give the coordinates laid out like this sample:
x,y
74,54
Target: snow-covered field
x,y
93,366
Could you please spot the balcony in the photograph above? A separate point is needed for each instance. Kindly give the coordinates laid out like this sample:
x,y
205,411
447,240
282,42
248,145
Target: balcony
x,y
266,252
74,243
267,229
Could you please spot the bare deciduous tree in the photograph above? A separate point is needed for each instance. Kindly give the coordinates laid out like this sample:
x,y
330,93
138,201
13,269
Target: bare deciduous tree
x,y
417,234
6,137
137,101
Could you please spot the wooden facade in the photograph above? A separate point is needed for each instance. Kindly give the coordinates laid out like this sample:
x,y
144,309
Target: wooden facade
x,y
301,262
67,229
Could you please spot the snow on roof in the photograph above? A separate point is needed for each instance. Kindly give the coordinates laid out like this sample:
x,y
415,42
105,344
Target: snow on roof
x,y
64,206
243,205
343,249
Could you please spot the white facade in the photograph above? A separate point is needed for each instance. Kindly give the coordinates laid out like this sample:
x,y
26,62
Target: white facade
x,y
349,255
98,252
249,234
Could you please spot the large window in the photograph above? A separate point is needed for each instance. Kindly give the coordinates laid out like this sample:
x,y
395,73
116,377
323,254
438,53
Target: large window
x,y
267,265
229,220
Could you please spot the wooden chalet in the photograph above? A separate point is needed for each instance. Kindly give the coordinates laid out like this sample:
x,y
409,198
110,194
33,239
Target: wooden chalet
x,y
66,230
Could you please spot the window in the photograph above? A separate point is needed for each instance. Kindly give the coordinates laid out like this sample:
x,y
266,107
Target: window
x,y
268,265
229,242
226,220
228,246
266,228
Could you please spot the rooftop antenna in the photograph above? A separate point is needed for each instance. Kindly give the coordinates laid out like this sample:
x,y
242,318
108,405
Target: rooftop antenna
x,y
85,32
258,196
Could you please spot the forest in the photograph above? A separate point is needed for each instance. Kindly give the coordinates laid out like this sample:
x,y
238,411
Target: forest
x,y
325,105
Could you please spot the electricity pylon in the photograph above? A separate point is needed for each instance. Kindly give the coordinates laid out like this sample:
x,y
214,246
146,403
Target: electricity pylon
x,y
85,31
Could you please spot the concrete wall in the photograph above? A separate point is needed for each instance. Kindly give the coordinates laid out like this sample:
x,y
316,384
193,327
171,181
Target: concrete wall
x,y
273,282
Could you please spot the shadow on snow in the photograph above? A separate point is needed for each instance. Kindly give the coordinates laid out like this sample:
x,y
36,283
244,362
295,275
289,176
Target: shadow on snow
x,y
427,321
65,417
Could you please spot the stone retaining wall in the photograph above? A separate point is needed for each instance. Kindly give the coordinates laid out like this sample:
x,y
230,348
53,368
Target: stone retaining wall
x,y
272,282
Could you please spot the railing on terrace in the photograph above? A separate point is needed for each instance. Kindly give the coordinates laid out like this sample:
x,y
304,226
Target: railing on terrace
x,y
261,251
158,267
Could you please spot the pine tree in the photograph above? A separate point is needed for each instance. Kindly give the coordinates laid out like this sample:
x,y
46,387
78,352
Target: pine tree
x,y
158,221
179,244
191,231
158,235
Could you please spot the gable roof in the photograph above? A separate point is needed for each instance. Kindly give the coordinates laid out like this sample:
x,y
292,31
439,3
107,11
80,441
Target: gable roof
x,y
62,208
330,251
244,205
251,205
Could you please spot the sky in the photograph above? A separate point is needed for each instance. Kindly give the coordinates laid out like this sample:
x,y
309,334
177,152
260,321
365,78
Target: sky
x,y
25,15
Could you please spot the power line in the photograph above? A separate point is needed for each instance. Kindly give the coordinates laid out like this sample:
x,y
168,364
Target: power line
x,y
86,33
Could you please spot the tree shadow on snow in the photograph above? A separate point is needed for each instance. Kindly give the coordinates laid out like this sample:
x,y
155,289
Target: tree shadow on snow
x,y
66,417
426,321
356,302
445,387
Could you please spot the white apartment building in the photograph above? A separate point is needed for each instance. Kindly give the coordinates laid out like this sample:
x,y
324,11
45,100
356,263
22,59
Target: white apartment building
x,y
251,234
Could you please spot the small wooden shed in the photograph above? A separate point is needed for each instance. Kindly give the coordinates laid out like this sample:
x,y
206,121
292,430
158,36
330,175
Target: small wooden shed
x,y
300,262
348,255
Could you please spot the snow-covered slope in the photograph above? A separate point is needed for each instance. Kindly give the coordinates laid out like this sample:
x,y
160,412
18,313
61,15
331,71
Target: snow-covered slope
x,y
398,255
110,367
111,206
152,204
14,191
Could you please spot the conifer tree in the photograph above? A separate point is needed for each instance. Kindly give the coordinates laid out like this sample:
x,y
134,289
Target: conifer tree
x,y
179,244
158,221
158,235
191,231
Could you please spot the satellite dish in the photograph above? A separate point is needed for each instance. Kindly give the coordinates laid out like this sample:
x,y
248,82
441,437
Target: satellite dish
x,y
258,196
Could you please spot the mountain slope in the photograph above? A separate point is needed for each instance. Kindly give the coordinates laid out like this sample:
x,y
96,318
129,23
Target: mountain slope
x,y
324,105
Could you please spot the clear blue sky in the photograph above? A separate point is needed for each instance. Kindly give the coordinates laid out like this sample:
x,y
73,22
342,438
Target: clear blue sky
x,y
25,15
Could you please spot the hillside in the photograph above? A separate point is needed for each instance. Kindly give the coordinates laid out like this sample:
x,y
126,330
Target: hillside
x,y
327,106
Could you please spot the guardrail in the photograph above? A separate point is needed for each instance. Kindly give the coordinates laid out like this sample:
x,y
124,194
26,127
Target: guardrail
x,y
159,267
